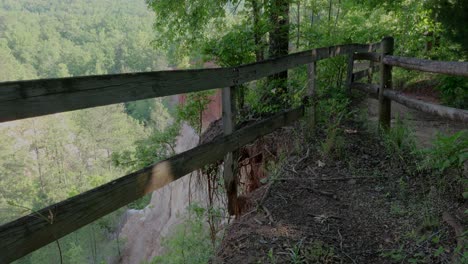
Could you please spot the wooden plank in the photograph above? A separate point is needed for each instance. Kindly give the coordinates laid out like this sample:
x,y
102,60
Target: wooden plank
x,y
433,109
365,73
450,113
229,122
385,105
444,67
370,56
23,99
31,232
255,71
40,97
371,71
370,89
311,94
374,46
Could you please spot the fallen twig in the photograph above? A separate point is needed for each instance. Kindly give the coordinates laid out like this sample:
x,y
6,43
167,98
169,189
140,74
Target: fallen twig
x,y
324,216
351,178
258,221
282,197
268,214
341,247
301,160
348,256
341,239
264,196
269,152
291,170
328,194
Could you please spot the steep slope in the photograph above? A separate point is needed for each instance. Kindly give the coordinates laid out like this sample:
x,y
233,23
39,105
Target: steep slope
x,y
145,228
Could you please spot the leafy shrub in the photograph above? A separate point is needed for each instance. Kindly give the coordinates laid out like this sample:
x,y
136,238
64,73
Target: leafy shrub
x,y
454,91
266,96
319,252
190,242
446,158
333,112
447,152
399,139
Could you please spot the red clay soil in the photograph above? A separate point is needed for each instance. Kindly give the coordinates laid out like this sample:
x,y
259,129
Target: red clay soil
x,y
359,205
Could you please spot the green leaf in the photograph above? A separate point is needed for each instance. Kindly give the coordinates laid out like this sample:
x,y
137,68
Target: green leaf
x,y
439,251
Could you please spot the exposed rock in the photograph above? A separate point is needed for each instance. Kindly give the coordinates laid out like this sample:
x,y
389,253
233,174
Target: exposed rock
x,y
144,229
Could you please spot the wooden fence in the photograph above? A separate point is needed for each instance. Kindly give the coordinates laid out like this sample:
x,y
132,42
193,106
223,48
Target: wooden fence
x,y
384,93
23,99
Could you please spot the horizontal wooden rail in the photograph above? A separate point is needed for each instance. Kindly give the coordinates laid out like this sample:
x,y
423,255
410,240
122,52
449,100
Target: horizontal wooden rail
x,y
36,230
370,89
370,56
365,73
434,109
444,67
23,99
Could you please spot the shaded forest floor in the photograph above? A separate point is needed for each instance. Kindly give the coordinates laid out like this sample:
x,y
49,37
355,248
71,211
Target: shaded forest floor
x,y
358,205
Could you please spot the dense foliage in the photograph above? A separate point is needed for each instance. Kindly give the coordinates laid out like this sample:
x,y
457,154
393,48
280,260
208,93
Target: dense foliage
x,y
454,17
48,159
61,38
231,33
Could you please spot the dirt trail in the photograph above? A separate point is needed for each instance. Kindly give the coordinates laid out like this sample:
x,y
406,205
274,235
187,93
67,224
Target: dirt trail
x,y
361,207
424,126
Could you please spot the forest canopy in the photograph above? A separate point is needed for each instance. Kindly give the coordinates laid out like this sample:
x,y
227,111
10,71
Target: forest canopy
x,y
48,159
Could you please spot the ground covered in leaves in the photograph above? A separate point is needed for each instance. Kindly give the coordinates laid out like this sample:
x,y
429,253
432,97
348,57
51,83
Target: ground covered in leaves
x,y
359,203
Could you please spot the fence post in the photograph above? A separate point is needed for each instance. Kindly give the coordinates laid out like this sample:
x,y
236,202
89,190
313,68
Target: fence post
x,y
385,104
229,117
371,66
311,87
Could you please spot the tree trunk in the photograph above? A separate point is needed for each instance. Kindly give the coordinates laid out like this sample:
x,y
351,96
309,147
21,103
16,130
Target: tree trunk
x,y
256,26
38,158
298,25
279,46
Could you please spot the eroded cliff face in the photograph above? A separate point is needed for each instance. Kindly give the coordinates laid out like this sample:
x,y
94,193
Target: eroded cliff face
x,y
143,229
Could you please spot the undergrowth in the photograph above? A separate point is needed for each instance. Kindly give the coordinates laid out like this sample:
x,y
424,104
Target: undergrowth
x,y
454,91
446,160
438,171
190,242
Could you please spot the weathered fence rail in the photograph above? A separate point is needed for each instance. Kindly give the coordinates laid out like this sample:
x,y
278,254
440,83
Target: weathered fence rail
x,y
444,67
434,109
38,229
384,92
23,99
